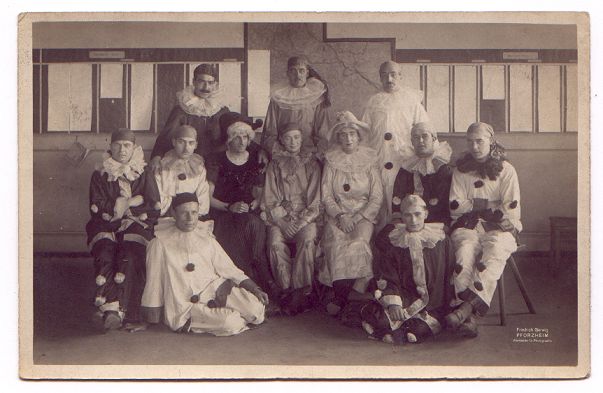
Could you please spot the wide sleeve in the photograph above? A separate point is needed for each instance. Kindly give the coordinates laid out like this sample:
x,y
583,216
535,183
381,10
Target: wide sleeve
x,y
375,200
202,193
100,201
460,203
510,198
163,143
322,127
224,266
312,210
272,196
270,132
328,193
152,297
386,268
440,212
377,122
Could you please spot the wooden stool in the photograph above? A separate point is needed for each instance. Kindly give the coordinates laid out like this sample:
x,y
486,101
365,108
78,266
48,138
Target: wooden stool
x,y
520,284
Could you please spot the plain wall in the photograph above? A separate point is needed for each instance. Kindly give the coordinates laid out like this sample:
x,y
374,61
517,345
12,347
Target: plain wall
x,y
546,164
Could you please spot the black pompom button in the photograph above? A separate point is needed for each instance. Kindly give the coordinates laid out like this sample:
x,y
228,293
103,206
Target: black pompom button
x,y
195,299
513,205
388,165
458,268
454,205
478,285
480,266
346,187
182,176
478,184
388,136
190,267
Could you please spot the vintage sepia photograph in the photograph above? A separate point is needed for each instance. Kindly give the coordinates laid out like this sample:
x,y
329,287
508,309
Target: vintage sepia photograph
x,y
304,195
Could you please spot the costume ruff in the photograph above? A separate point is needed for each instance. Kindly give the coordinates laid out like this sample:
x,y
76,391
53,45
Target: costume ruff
x,y
130,170
295,98
198,106
359,161
411,162
191,167
289,163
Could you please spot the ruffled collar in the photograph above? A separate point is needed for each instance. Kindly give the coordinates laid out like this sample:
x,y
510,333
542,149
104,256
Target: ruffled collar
x,y
296,97
195,105
426,165
130,170
289,163
192,167
359,161
425,238
491,168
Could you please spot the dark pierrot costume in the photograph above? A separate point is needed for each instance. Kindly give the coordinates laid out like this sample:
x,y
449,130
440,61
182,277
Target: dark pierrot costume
x,y
118,246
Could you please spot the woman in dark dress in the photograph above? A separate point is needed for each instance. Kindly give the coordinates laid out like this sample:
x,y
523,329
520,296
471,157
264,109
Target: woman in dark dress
x,y
237,179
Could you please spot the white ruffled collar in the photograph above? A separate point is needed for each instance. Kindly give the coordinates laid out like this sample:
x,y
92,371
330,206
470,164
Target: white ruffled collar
x,y
289,163
192,167
426,238
359,161
198,106
166,228
130,170
296,97
426,165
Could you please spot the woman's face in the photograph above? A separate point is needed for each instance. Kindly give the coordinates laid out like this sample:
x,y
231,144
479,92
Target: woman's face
x,y
349,140
239,144
292,141
478,143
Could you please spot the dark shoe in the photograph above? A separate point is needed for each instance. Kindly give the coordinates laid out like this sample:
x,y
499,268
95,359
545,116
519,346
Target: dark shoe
x,y
456,318
469,327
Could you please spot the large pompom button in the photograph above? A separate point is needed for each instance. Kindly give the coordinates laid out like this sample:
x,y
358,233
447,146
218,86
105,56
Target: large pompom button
x,y
388,165
387,136
119,278
478,184
454,205
346,187
94,208
458,268
478,285
182,176
190,267
433,201
100,280
99,301
396,201
513,205
195,299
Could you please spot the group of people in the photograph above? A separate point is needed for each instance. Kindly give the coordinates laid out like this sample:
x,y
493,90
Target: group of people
x,y
365,219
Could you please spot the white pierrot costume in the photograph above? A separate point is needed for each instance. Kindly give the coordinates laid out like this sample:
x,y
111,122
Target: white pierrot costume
x,y
390,117
495,245
184,270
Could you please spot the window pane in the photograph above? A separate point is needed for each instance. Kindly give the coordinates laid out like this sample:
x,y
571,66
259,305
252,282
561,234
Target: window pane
x,y
142,97
549,98
411,75
258,82
438,82
465,97
69,97
520,97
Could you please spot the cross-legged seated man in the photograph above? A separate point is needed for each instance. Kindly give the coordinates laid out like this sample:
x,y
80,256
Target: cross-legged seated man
x,y
485,208
195,282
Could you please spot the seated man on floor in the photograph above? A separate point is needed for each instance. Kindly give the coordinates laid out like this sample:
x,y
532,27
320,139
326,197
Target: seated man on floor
x,y
123,199
425,172
195,282
414,274
183,171
485,208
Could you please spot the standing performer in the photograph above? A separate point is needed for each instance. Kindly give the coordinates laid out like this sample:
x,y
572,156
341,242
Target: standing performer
x,y
390,115
123,201
485,208
306,102
192,279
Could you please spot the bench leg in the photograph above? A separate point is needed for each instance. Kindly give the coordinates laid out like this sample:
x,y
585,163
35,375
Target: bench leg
x,y
501,300
521,285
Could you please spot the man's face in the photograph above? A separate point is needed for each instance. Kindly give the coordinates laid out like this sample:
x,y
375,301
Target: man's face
x,y
292,141
184,147
414,218
349,139
204,85
121,151
187,216
422,141
391,78
297,75
239,144
478,143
